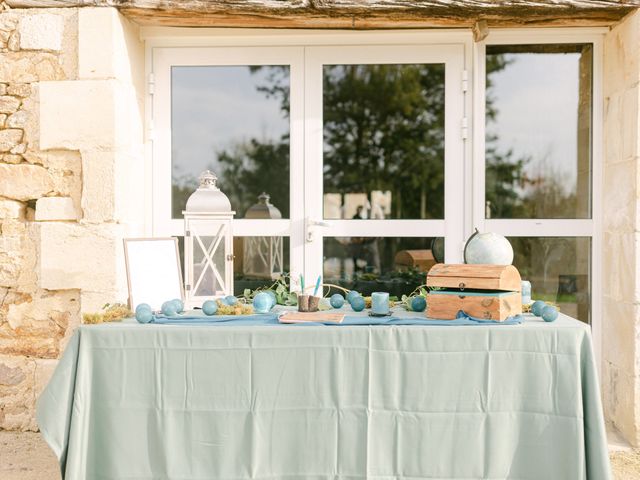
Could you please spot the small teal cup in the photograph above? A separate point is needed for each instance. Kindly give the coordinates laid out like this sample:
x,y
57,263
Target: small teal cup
x,y
380,303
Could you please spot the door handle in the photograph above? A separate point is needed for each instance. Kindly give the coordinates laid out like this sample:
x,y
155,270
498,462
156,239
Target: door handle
x,y
310,230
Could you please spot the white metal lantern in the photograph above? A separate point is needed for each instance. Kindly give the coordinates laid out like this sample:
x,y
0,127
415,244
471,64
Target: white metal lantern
x,y
262,257
208,243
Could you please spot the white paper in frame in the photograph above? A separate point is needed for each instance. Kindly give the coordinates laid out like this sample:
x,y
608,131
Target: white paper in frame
x,y
153,271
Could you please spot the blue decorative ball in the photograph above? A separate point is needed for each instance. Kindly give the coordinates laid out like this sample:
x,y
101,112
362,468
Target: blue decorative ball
x,y
210,307
262,302
351,294
230,300
537,307
144,315
272,294
178,304
169,308
418,304
357,303
143,306
549,313
336,300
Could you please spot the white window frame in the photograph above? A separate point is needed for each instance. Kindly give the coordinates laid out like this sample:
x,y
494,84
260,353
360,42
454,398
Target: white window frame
x,y
474,105
590,228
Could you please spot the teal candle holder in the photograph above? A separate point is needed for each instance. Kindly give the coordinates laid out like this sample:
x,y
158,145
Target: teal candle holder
x,y
380,303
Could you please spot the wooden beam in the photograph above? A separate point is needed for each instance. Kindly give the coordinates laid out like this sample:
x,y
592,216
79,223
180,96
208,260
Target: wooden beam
x,y
357,14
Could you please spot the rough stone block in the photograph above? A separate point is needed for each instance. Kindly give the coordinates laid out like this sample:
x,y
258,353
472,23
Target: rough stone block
x,y
9,104
18,119
8,21
27,67
41,31
36,324
89,115
19,149
10,138
16,392
12,158
11,209
24,182
55,208
18,89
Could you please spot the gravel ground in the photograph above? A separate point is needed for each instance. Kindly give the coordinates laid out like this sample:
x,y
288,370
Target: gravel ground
x,y
25,456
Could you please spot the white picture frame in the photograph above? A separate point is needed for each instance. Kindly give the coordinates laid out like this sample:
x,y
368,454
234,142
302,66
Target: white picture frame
x,y
153,268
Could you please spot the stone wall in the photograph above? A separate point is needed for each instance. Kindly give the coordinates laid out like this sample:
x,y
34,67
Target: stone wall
x,y
70,149
621,224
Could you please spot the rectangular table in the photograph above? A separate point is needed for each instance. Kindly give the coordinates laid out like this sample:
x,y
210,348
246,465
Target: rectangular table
x,y
131,401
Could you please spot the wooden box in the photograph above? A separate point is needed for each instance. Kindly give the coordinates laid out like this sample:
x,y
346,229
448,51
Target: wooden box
x,y
422,259
490,292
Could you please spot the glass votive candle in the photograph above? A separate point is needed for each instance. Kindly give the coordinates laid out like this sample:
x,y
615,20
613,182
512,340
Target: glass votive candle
x,y
380,303
526,292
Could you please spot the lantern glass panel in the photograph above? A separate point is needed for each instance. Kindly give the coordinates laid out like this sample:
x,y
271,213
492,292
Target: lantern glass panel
x,y
263,257
208,270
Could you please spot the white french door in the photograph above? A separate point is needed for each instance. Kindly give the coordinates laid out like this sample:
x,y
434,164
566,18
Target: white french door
x,y
431,162
321,225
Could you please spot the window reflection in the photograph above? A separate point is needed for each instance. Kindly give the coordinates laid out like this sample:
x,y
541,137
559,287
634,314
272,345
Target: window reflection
x,y
233,120
559,271
368,264
538,140
259,261
383,141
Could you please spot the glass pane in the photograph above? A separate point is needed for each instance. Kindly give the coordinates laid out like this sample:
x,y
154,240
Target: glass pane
x,y
235,122
559,271
383,141
538,137
208,278
396,265
259,261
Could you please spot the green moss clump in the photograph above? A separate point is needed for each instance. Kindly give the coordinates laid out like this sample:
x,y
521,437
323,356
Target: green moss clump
x,y
110,313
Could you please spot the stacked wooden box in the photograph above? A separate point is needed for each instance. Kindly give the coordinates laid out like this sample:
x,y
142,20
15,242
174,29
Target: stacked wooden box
x,y
490,292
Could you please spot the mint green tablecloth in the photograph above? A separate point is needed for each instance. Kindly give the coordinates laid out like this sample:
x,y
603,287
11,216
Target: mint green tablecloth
x,y
131,401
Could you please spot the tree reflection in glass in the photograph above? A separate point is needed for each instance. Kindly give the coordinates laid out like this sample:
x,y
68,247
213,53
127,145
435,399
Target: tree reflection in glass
x,y
233,120
383,141
538,116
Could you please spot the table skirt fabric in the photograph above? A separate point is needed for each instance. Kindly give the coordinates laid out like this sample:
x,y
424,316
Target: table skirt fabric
x,y
131,401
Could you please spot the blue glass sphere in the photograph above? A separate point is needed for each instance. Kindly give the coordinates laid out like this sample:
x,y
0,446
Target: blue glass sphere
x,y
549,313
357,303
351,294
144,315
178,304
169,308
336,300
537,307
272,294
210,307
143,306
418,304
262,302
230,300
